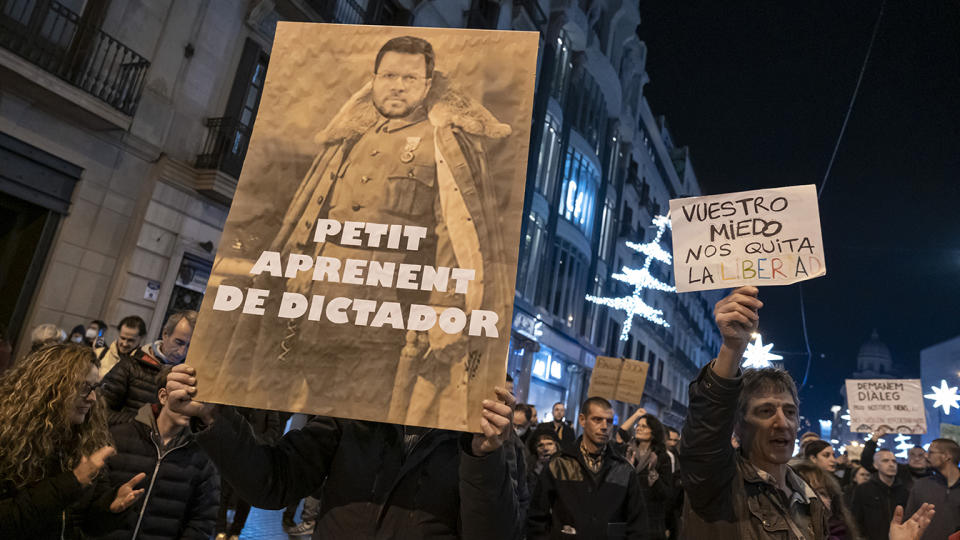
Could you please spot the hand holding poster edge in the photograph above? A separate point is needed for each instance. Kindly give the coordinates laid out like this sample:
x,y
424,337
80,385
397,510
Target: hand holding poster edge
x,y
759,237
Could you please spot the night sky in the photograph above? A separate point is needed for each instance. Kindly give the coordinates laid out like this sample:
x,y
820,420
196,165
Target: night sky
x,y
758,91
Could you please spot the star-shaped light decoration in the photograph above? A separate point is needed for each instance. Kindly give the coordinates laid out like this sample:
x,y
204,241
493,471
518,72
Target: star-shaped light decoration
x,y
641,279
944,397
903,445
758,355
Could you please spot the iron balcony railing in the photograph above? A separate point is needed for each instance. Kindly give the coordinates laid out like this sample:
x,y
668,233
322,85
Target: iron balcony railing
x,y
55,39
533,9
222,150
385,12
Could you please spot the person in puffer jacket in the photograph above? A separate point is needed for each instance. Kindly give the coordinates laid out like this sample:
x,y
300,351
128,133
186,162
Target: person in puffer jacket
x,y
182,487
130,384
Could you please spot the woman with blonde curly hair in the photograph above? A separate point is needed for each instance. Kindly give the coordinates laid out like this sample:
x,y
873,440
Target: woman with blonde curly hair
x,y
54,441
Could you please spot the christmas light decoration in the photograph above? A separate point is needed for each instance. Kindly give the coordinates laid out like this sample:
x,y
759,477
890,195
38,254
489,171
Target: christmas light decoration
x,y
944,397
903,445
641,279
758,355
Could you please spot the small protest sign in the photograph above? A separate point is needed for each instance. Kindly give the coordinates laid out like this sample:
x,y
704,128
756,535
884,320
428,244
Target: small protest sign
x,y
891,405
761,237
368,263
621,379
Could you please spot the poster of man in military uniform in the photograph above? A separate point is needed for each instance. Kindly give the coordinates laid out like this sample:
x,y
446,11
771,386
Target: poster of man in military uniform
x,y
367,266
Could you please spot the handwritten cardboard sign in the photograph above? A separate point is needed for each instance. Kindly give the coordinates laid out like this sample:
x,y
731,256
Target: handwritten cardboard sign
x,y
621,379
367,267
893,405
761,237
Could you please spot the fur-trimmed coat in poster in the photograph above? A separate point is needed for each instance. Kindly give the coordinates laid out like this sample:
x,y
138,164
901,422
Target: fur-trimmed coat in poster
x,y
459,123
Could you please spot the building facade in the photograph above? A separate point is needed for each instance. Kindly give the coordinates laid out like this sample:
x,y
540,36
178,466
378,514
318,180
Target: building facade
x,y
124,124
939,368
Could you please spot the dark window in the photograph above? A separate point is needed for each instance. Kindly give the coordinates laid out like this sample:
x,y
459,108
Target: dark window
x,y
561,67
613,338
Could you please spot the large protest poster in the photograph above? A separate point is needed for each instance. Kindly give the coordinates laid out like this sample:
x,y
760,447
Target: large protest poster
x,y
761,237
891,405
367,266
622,379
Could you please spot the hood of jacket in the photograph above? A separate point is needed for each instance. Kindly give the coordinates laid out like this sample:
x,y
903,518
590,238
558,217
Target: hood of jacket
x,y
147,416
447,106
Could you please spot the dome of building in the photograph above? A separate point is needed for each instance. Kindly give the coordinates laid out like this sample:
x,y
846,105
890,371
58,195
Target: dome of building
x,y
874,356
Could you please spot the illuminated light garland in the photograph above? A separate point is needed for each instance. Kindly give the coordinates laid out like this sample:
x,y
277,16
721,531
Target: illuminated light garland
x,y
944,397
641,279
758,355
903,445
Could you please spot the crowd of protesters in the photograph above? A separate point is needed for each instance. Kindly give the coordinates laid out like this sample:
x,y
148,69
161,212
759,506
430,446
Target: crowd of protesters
x,y
105,441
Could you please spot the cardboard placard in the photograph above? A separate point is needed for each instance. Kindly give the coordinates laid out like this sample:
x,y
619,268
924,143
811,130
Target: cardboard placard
x,y
893,405
621,379
368,263
761,237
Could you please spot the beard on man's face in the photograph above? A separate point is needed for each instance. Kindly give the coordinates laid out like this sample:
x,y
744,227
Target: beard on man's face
x,y
395,106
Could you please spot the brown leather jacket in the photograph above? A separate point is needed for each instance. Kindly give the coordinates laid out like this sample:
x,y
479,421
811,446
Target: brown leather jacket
x,y
727,497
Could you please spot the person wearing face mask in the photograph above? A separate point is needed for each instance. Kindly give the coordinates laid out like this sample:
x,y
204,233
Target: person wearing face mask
x,y
78,334
130,384
93,335
54,444
131,331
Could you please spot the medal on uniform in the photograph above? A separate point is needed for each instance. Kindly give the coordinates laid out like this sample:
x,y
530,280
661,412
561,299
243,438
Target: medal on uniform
x,y
412,144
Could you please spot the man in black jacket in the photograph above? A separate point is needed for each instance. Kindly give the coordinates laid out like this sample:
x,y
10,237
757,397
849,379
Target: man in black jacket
x,y
874,501
917,467
132,382
379,480
593,493
182,486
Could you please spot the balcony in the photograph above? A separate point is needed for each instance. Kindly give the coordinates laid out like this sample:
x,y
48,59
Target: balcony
x,y
656,391
60,42
534,12
221,158
482,14
678,408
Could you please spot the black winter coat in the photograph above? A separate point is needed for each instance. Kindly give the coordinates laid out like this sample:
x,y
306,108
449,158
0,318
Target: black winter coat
x,y
130,385
873,506
608,505
57,507
659,496
372,487
182,488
